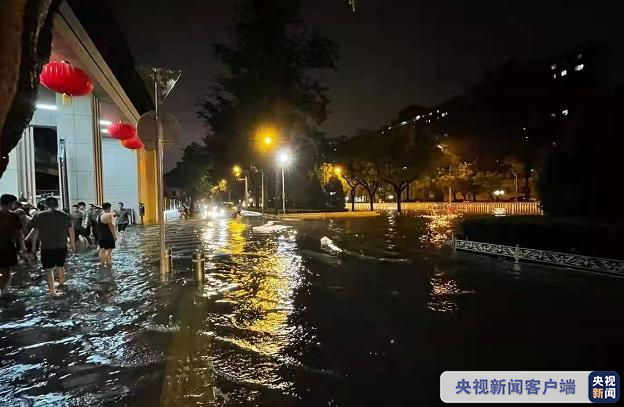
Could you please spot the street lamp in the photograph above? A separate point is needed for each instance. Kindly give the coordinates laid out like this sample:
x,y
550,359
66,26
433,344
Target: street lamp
x,y
256,169
444,150
284,158
237,173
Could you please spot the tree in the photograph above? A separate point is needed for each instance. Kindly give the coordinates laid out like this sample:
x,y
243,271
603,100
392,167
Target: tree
x,y
194,172
519,171
405,155
268,65
217,188
353,183
25,46
487,181
329,171
367,175
459,179
357,160
335,194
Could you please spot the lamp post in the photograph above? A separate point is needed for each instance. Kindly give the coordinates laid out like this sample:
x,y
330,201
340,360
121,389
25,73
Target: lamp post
x,y
283,159
254,168
163,81
443,148
237,172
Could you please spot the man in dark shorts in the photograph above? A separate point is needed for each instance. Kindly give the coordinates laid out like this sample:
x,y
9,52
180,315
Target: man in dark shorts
x,y
11,240
52,227
123,220
105,232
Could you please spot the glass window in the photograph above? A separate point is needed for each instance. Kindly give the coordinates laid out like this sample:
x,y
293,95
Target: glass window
x,y
46,164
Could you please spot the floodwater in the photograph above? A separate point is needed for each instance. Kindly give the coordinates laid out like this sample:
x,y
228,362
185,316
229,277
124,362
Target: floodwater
x,y
371,318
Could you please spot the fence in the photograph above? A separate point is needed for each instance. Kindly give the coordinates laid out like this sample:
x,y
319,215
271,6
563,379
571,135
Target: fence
x,y
610,266
495,208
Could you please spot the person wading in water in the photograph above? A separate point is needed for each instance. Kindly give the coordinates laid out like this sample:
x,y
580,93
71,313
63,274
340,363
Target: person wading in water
x,y
11,240
105,232
123,220
52,227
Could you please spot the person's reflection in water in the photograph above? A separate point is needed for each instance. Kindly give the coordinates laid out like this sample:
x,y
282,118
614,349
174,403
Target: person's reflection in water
x,y
105,286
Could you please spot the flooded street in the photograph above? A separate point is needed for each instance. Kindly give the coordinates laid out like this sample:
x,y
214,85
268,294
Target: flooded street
x,y
372,317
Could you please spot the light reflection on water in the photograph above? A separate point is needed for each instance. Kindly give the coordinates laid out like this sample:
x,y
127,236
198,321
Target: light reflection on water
x,y
278,322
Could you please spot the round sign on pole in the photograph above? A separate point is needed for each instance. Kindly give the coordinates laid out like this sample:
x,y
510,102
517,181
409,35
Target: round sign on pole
x,y
146,127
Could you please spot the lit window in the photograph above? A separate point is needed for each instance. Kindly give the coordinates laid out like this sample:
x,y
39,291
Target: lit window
x,y
564,112
579,56
430,113
555,76
579,67
438,111
553,66
524,129
564,72
403,123
552,115
418,117
428,121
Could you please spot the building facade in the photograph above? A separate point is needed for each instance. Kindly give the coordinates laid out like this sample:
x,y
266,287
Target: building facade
x,y
65,151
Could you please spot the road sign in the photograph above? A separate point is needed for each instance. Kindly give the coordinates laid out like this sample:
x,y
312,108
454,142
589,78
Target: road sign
x,y
148,131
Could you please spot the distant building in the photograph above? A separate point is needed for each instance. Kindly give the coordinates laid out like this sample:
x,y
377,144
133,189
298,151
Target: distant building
x,y
521,108
97,168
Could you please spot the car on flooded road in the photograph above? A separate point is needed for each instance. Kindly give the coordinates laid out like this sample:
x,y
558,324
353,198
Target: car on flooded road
x,y
221,210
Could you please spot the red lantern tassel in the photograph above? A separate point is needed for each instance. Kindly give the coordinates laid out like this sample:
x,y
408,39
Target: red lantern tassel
x,y
66,99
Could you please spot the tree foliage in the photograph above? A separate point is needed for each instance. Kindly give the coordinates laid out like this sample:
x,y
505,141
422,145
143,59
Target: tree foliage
x,y
405,155
194,172
267,79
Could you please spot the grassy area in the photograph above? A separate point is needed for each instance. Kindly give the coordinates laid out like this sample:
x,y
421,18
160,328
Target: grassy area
x,y
541,232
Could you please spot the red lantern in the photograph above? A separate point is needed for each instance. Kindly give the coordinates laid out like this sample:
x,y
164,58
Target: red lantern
x,y
62,77
133,143
122,131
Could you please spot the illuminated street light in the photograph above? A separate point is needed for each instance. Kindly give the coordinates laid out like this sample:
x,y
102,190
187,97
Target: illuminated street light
x,y
284,158
338,171
266,136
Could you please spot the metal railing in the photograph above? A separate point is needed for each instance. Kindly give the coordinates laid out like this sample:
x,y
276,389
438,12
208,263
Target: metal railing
x,y
599,264
494,208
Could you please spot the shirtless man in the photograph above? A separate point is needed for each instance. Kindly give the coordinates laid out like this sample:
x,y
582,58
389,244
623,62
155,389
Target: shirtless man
x,y
105,232
11,240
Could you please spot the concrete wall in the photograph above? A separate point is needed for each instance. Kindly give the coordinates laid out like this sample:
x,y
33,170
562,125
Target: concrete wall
x,y
120,169
73,122
8,182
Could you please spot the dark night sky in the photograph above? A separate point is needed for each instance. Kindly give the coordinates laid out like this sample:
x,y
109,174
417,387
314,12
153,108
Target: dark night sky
x,y
392,52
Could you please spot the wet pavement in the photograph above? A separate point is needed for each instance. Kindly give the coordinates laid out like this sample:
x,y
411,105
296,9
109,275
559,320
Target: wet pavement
x,y
371,318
